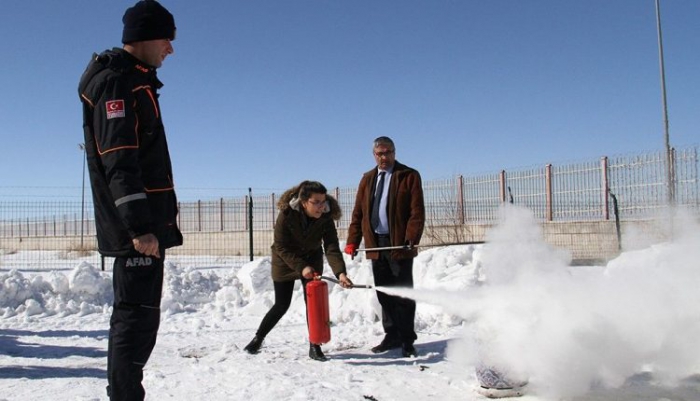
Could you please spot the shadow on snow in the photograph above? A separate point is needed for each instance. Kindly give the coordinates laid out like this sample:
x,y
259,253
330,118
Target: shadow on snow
x,y
17,343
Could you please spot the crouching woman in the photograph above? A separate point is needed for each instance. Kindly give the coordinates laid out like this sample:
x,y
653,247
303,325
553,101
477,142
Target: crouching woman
x,y
305,227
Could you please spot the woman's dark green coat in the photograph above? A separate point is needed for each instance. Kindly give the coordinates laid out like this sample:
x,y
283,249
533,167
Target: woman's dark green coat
x,y
300,240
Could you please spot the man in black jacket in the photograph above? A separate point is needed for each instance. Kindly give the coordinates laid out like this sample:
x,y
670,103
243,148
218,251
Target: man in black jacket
x,y
132,185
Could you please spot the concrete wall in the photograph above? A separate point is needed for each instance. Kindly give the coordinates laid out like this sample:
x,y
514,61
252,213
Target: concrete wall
x,y
47,243
587,241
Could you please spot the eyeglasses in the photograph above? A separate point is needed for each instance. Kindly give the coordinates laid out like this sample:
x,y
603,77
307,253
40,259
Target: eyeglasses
x,y
316,203
384,154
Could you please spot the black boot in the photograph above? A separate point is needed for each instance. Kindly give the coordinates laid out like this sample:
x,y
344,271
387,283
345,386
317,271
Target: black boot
x,y
387,343
408,350
316,354
253,347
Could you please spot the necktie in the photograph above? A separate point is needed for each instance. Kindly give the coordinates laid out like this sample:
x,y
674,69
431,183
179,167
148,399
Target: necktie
x,y
377,200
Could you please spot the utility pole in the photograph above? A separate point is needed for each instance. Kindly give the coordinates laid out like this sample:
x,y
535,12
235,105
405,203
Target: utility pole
x,y
667,142
81,146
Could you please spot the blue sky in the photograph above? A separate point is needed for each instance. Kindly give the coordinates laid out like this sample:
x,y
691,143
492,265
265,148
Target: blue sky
x,y
264,94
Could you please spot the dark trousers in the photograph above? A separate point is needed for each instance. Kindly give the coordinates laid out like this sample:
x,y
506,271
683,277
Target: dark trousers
x,y
283,298
398,314
138,285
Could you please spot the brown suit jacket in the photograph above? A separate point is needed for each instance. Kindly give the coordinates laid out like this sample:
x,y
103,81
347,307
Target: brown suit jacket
x,y
405,210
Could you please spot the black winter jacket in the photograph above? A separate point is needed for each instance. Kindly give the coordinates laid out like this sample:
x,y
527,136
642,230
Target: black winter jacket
x,y
127,153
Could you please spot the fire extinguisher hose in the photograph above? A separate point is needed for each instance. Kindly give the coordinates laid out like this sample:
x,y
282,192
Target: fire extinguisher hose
x,y
332,280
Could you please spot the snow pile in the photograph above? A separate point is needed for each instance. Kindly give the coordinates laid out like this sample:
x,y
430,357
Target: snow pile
x,y
187,289
85,290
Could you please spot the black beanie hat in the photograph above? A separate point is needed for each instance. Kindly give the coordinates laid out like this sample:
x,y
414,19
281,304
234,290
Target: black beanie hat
x,y
147,20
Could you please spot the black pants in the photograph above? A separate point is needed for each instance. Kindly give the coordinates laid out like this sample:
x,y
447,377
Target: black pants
x,y
138,285
398,314
283,298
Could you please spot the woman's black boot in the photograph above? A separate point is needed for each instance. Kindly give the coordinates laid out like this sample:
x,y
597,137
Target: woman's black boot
x,y
315,353
253,347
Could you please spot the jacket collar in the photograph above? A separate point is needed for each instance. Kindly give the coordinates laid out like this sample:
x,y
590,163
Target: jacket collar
x,y
134,65
398,167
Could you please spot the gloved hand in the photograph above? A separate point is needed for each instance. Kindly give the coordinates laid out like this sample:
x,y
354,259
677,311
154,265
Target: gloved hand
x,y
408,244
351,249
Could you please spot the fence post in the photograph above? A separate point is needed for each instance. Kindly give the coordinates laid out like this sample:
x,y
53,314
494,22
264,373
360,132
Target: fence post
x,y
460,198
179,215
250,222
221,212
245,208
617,220
672,186
502,185
272,209
199,215
548,192
605,187
336,192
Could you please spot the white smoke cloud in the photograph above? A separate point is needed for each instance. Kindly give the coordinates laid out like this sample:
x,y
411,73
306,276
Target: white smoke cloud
x,y
567,329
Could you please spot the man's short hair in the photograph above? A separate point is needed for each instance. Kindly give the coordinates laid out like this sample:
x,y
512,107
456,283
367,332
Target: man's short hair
x,y
385,141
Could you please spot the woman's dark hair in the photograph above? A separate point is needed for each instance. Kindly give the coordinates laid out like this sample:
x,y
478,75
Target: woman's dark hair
x,y
308,188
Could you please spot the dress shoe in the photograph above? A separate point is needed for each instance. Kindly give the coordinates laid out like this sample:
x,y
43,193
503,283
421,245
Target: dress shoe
x,y
316,354
386,345
408,350
253,347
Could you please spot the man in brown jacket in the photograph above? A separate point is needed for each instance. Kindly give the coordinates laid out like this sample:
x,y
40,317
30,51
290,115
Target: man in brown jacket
x,y
389,212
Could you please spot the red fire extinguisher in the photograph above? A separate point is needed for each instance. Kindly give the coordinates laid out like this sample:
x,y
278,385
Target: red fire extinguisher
x,y
317,311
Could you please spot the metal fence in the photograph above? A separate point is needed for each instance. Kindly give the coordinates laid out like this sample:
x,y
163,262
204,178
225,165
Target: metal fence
x,y
232,227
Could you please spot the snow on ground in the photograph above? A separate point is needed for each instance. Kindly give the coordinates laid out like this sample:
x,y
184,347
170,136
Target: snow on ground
x,y
626,331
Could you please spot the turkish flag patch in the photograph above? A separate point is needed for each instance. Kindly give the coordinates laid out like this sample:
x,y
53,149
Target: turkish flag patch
x,y
115,109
